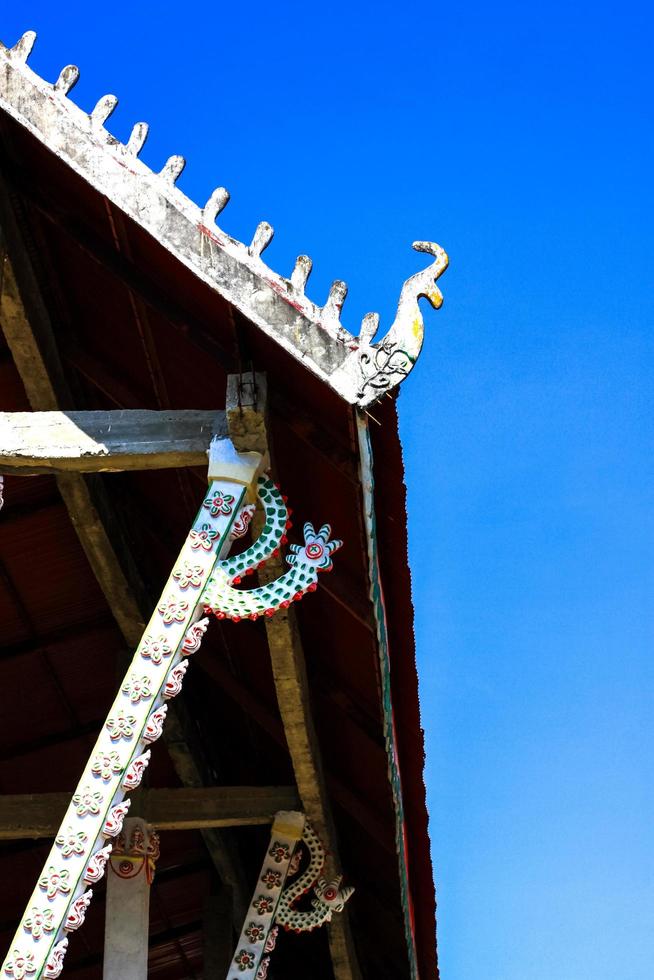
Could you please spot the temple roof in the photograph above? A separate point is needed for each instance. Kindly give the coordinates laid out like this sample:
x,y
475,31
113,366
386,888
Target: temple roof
x,y
152,306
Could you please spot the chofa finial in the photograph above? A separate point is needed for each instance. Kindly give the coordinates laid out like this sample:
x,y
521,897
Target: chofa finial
x,y
384,365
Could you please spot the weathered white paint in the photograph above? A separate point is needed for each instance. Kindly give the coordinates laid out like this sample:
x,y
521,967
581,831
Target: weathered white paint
x,y
359,370
86,442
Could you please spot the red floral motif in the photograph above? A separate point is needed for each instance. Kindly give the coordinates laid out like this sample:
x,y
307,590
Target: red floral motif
x,y
263,905
137,688
205,538
121,726
40,921
279,852
189,574
262,972
106,764
173,610
20,965
55,881
155,648
87,801
317,550
244,960
271,879
255,932
71,842
219,503
271,940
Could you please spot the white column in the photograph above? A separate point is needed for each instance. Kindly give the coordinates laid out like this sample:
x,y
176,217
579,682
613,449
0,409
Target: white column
x,y
131,870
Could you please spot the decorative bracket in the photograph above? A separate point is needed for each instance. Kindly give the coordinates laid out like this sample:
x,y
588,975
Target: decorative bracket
x,y
274,903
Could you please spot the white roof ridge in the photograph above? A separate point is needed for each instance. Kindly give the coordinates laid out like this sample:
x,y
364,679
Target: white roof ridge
x,y
359,370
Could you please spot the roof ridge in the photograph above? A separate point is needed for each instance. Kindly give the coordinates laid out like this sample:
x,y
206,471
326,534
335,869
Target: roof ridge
x,y
359,370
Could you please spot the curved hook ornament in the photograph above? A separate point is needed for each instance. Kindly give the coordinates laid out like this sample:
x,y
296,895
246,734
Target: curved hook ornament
x,y
315,555
328,896
383,365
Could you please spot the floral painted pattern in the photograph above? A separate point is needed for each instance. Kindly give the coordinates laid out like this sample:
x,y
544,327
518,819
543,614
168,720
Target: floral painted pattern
x,y
317,550
263,905
279,852
72,842
271,879
205,538
106,764
155,648
55,881
173,610
121,726
40,921
219,503
189,575
244,960
87,801
20,965
255,932
137,688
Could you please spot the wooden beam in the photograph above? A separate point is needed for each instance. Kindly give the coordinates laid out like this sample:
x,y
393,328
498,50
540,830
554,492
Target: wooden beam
x,y
39,815
91,442
246,423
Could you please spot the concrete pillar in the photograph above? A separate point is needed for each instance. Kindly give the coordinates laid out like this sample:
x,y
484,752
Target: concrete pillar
x,y
130,874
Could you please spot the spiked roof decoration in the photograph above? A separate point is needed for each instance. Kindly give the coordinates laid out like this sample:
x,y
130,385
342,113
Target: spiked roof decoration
x,y
357,368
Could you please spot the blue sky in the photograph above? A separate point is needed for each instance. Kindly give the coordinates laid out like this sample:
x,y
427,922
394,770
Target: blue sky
x,y
518,136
